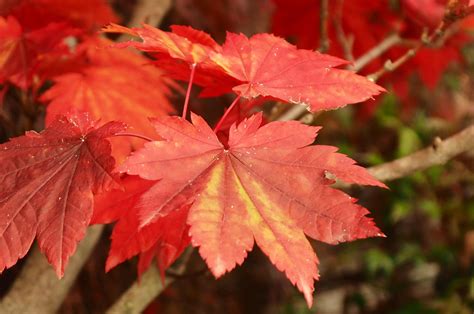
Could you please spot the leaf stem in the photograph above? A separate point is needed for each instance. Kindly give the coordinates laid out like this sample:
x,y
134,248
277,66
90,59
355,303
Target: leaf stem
x,y
143,137
226,113
188,92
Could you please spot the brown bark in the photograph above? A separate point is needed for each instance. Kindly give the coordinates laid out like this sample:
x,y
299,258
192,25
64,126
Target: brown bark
x,y
37,289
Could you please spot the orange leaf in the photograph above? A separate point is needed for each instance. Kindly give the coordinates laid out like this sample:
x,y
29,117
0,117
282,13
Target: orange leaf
x,y
267,186
21,51
269,66
116,85
184,43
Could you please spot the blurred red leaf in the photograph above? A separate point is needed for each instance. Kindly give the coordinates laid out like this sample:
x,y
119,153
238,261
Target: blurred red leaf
x,y
88,15
114,84
21,52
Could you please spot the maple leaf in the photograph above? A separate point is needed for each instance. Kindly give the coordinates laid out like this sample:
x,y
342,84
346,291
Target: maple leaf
x,y
269,66
263,65
48,181
177,51
183,43
21,51
170,245
208,76
112,205
88,15
266,186
165,239
425,12
431,12
115,85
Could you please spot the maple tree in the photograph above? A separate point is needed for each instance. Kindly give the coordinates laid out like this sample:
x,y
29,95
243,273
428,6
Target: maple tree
x,y
111,152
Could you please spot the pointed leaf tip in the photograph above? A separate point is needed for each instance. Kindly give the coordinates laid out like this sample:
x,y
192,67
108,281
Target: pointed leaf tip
x,y
267,65
49,198
241,194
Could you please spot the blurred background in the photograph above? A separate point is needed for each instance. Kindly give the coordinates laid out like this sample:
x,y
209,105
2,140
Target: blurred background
x,y
426,263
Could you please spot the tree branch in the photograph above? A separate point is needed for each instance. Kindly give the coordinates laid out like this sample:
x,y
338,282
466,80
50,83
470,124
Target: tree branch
x,y
323,27
346,42
293,113
141,293
37,289
438,154
436,38
438,34
148,11
376,51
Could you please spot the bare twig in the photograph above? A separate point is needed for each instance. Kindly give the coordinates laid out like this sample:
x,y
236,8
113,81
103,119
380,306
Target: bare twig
x,y
38,289
376,51
297,111
141,293
138,296
293,113
323,26
438,35
347,42
438,154
436,39
150,11
390,66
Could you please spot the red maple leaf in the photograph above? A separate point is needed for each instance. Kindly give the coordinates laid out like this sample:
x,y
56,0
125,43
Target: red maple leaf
x,y
110,206
431,12
113,84
165,239
266,186
48,181
170,244
21,51
263,65
425,12
269,66
87,15
178,52
183,43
